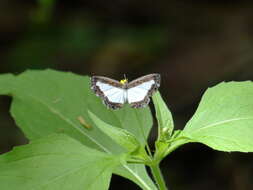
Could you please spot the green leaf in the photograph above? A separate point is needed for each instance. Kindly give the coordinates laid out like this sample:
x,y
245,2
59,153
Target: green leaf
x,y
120,136
46,102
224,118
164,117
56,162
6,83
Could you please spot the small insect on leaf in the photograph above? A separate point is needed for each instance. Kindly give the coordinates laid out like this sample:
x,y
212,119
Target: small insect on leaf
x,y
56,100
83,122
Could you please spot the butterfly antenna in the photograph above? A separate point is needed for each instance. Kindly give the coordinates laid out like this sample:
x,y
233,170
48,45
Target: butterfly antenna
x,y
125,77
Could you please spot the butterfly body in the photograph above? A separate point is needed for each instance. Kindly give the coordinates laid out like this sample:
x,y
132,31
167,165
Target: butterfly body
x,y
115,94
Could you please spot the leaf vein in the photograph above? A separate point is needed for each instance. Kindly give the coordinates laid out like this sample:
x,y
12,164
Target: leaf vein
x,y
221,122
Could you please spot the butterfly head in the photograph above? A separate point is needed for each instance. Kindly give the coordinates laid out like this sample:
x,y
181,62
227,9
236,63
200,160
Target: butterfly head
x,y
123,81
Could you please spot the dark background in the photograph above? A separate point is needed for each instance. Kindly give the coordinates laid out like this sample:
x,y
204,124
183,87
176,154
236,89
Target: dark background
x,y
193,44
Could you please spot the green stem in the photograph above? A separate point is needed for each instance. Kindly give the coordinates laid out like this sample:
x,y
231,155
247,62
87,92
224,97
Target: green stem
x,y
156,172
149,150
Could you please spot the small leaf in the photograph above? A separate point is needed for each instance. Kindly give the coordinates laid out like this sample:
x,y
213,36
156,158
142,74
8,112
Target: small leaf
x,y
57,162
120,136
164,117
224,118
163,148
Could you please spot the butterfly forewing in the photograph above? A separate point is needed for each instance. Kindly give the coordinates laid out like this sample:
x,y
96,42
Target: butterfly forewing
x,y
113,94
111,91
140,90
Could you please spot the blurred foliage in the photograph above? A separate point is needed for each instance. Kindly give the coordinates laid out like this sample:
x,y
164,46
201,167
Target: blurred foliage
x,y
44,11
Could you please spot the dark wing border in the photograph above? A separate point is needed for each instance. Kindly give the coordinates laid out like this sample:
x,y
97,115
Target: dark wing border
x,y
141,104
156,77
100,93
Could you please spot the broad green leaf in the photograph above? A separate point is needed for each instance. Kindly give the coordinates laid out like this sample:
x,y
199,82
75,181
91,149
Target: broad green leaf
x,y
56,162
6,83
163,115
224,118
120,136
46,102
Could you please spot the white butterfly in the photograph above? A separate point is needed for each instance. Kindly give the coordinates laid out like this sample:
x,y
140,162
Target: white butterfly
x,y
115,94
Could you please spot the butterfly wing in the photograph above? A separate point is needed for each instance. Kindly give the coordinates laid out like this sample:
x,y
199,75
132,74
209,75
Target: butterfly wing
x,y
111,91
140,90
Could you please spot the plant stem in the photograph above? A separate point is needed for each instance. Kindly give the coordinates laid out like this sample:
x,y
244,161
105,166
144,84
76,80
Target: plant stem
x,y
149,150
156,172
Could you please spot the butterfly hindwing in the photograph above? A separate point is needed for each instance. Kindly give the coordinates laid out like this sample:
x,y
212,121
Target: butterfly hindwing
x,y
111,91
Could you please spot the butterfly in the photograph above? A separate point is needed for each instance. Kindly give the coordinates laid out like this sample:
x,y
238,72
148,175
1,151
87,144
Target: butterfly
x,y
115,94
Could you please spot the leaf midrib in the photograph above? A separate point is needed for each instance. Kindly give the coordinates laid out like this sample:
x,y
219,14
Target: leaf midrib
x,y
216,124
68,121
